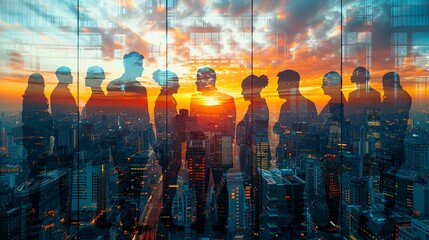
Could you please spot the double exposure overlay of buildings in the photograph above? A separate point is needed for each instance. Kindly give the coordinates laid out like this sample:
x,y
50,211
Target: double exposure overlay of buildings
x,y
178,119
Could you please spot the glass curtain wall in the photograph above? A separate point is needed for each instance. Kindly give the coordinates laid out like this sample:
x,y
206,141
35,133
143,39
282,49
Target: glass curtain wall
x,y
182,119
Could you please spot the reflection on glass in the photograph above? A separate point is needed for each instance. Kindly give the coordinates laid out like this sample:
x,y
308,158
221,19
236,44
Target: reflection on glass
x,y
94,147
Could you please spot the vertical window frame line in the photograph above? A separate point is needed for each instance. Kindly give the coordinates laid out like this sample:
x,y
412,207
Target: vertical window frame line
x,y
78,118
341,118
253,201
166,156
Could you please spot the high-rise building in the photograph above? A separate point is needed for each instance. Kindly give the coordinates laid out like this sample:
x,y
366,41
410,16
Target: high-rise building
x,y
352,164
44,206
91,188
10,215
417,231
356,191
10,223
198,171
331,168
282,205
261,152
184,206
377,225
421,198
222,152
238,225
397,187
314,179
416,147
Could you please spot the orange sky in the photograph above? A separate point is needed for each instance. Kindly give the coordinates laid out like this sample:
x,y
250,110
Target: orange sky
x,y
228,81
312,48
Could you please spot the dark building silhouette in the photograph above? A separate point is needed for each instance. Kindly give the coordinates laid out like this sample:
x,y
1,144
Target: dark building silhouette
x,y
196,156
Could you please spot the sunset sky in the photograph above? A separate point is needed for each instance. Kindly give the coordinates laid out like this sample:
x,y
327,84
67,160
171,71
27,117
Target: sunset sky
x,y
39,37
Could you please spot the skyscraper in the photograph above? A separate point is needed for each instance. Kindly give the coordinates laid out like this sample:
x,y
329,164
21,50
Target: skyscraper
x,y
184,206
238,214
282,205
198,172
416,148
44,206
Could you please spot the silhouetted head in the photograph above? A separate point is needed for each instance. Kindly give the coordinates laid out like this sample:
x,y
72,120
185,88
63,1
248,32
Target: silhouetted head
x,y
133,64
253,85
36,79
391,81
288,83
360,75
36,84
206,79
168,80
63,74
94,76
331,83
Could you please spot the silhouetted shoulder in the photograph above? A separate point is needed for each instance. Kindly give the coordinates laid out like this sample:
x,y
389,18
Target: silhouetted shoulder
x,y
225,97
114,85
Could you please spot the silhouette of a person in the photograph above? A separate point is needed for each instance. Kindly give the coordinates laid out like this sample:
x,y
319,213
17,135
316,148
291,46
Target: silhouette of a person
x,y
297,108
164,114
333,116
254,122
37,125
37,128
363,98
395,100
332,87
62,101
215,111
127,95
396,105
97,103
165,104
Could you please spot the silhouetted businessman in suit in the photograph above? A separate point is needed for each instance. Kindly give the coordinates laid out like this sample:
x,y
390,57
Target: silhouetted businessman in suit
x,y
97,103
62,101
215,111
297,108
127,95
363,98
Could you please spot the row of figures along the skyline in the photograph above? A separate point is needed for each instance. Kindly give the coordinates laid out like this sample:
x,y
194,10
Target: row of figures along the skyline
x,y
126,101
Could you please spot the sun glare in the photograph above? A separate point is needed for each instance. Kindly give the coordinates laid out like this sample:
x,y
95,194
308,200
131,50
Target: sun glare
x,y
211,101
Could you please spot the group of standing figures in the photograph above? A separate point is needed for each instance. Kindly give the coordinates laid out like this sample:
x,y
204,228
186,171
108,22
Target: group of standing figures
x,y
125,108
126,99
